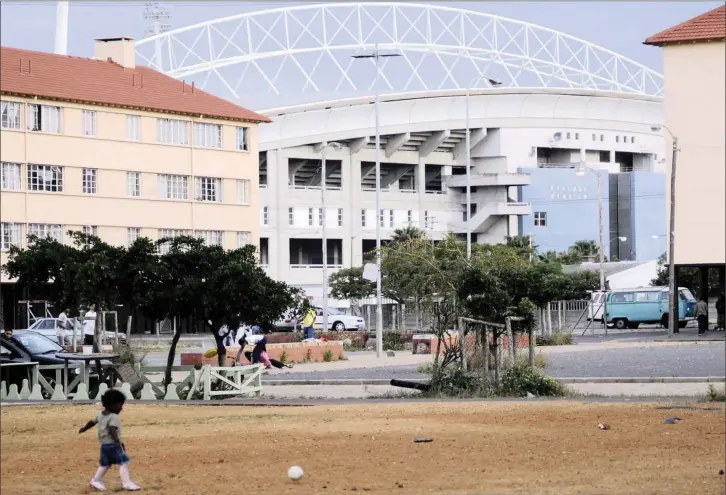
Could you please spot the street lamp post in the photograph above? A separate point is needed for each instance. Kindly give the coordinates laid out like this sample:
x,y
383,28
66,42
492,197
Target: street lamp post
x,y
324,226
376,56
581,171
672,289
468,158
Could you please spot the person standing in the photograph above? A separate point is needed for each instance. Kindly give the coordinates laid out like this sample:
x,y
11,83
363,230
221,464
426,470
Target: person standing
x,y
309,323
89,325
60,331
721,312
701,314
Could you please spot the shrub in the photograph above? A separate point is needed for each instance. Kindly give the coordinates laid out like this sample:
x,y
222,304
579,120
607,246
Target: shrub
x,y
453,382
425,368
283,357
715,395
521,379
328,356
309,355
557,338
392,341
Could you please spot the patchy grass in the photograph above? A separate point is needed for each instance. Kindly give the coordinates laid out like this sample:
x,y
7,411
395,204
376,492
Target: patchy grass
x,y
715,394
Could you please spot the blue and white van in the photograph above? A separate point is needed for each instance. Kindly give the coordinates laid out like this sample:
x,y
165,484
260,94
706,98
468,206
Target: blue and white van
x,y
628,308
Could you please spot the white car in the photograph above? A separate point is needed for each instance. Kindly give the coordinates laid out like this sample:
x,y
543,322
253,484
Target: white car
x,y
47,327
338,321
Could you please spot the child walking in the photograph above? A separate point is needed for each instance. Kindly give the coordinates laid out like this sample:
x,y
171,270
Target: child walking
x,y
113,450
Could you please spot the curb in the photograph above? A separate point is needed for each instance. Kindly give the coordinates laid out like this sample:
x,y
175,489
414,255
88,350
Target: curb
x,y
604,380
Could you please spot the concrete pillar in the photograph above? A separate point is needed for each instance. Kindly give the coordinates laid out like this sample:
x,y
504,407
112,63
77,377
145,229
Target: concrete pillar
x,y
703,283
421,189
279,247
722,278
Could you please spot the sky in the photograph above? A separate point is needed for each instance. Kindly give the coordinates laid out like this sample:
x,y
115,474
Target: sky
x,y
618,26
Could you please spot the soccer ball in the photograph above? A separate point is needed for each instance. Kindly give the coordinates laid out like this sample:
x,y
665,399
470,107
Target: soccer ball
x,y
295,473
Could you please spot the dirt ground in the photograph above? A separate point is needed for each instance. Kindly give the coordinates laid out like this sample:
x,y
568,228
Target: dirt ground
x,y
477,448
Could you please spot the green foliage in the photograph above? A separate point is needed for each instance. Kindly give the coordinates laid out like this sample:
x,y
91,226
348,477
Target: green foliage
x,y
392,341
715,395
407,234
328,356
557,338
520,379
349,284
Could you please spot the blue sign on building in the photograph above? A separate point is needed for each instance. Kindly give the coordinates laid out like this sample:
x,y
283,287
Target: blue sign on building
x,y
565,210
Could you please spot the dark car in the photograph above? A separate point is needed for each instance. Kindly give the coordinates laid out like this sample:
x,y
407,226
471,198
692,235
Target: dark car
x,y
26,346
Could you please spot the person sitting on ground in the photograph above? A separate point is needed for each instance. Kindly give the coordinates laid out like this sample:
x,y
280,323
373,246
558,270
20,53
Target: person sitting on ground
x,y
258,354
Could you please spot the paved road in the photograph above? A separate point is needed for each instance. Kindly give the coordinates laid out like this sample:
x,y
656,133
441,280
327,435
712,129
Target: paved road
x,y
697,360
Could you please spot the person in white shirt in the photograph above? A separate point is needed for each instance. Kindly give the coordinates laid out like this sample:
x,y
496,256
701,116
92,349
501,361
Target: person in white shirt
x,y
89,325
60,330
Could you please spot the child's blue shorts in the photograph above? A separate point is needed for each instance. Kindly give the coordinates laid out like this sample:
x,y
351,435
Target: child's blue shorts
x,y
111,454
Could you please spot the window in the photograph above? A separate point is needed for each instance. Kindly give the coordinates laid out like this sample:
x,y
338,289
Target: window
x,y
391,218
133,184
46,178
243,238
409,217
44,230
89,122
210,237
132,233
241,141
540,219
577,135
568,135
10,112
174,187
170,131
381,218
208,189
265,215
291,216
243,192
320,217
593,137
632,139
617,139
89,180
602,137
90,230
11,234
426,219
10,178
168,234
133,127
45,118
310,217
340,217
362,218
207,135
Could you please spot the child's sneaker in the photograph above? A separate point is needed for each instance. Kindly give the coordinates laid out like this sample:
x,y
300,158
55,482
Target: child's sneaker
x,y
97,485
131,487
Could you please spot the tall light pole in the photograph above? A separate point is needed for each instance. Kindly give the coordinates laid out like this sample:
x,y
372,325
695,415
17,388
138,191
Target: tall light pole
x,y
473,82
323,175
376,56
61,28
581,171
672,289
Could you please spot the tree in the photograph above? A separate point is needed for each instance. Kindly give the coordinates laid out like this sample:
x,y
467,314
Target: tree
x,y
523,245
585,250
349,284
564,258
407,233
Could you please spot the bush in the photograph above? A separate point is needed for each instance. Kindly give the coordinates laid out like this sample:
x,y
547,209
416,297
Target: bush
x,y
283,357
521,379
715,395
328,356
392,341
453,382
557,338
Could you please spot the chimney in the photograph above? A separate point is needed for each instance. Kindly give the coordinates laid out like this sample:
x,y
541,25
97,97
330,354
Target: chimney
x,y
120,50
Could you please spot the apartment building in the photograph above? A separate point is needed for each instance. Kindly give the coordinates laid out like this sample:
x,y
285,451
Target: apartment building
x,y
120,151
695,88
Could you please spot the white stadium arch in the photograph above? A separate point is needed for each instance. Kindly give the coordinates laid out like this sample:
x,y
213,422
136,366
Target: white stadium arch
x,y
306,50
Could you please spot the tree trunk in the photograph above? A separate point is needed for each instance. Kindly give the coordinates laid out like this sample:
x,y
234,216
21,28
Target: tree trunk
x,y
219,340
97,328
170,358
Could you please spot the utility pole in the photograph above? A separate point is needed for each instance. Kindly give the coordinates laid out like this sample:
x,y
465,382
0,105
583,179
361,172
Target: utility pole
x,y
61,28
672,288
155,14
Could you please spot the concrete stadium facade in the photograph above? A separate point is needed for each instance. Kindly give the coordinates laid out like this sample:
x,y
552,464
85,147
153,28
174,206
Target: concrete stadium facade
x,y
423,166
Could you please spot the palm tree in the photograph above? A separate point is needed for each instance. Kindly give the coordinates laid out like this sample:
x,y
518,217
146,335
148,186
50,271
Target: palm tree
x,y
586,250
407,234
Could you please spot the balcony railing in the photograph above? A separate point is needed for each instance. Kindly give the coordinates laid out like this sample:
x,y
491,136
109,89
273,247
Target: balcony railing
x,y
316,188
338,265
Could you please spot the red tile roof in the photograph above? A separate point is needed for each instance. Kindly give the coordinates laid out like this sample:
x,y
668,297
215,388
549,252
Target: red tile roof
x,y
710,26
61,77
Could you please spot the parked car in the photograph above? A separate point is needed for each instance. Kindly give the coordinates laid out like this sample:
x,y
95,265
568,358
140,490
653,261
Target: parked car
x,y
288,323
47,327
339,321
26,346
